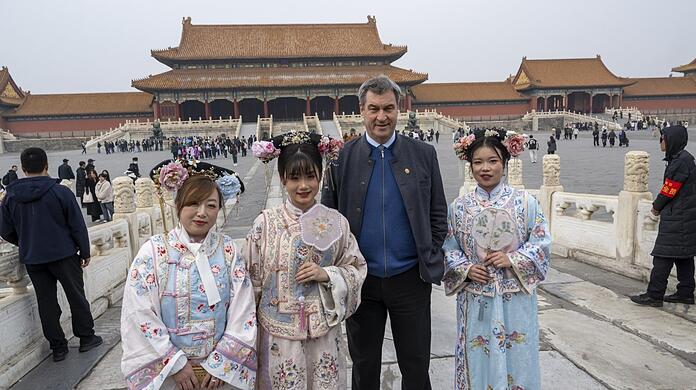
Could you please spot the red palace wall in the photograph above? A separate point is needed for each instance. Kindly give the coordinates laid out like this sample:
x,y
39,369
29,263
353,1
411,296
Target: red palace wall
x,y
80,127
477,110
661,104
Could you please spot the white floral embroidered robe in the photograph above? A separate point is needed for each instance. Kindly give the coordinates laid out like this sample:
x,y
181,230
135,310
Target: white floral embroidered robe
x,y
497,326
299,332
166,319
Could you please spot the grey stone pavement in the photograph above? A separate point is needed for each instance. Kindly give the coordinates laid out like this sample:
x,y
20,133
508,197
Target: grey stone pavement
x,y
592,336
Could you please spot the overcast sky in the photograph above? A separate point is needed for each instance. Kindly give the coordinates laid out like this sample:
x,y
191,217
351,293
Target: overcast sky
x,y
54,46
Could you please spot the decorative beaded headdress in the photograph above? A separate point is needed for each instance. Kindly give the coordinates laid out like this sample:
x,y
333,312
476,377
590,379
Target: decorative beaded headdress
x,y
512,141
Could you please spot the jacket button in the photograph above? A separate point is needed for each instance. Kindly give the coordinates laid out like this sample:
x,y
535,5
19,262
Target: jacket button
x,y
358,209
362,183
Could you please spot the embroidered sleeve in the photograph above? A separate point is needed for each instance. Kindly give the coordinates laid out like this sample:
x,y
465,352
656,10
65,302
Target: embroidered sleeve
x,y
457,265
530,262
341,295
251,254
234,358
149,356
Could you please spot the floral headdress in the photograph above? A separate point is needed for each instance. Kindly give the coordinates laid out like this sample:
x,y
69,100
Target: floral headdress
x,y
329,148
171,175
513,142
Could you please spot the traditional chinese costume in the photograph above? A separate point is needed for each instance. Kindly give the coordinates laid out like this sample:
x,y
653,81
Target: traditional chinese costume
x,y
188,301
497,327
299,332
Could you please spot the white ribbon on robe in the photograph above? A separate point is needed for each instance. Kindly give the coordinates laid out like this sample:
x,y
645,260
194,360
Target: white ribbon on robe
x,y
203,265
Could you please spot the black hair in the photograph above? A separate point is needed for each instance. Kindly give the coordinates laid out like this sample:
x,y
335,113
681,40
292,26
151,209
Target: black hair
x,y
34,160
492,142
299,159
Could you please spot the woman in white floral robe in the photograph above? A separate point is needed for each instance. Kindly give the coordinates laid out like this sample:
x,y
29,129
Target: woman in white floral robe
x,y
300,344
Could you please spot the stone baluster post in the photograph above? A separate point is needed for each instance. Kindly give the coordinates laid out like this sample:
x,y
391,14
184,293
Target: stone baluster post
x,y
551,183
469,181
515,173
170,210
636,167
12,271
124,208
147,203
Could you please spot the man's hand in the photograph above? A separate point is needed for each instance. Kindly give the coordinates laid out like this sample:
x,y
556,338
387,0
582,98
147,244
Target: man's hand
x,y
498,260
185,379
479,273
655,212
85,262
311,271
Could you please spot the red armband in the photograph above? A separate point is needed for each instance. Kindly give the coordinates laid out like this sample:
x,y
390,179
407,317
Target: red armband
x,y
670,188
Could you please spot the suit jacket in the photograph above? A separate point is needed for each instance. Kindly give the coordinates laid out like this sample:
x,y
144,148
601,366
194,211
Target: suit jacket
x,y
417,173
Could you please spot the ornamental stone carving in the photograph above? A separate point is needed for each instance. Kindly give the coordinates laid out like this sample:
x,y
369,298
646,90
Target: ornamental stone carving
x,y
124,195
515,172
552,170
144,188
12,271
636,167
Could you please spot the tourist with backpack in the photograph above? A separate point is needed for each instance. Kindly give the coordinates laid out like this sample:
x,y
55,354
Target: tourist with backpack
x,y
532,146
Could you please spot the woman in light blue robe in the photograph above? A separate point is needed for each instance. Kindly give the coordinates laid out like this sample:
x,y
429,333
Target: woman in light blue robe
x,y
496,252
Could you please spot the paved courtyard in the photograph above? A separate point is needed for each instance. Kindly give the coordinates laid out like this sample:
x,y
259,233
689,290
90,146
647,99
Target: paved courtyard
x,y
592,336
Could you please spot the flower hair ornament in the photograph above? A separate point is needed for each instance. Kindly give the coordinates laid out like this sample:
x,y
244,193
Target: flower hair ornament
x,y
170,175
513,142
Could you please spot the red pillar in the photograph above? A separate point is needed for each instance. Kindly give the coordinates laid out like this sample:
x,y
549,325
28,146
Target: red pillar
x,y
235,105
533,103
265,108
336,106
177,107
590,110
408,102
620,100
546,103
565,102
157,110
308,110
207,110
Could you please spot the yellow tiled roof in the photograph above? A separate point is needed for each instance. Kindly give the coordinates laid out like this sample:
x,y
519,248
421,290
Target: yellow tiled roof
x,y
568,73
250,78
254,41
465,92
83,104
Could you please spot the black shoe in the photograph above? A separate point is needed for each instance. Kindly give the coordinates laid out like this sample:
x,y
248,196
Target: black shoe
x,y
646,300
677,299
89,343
59,354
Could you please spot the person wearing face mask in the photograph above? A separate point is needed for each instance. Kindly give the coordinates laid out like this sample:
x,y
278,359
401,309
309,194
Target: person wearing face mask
x,y
307,271
676,237
497,251
189,319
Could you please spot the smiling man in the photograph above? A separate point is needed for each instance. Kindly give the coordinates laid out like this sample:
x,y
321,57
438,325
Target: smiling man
x,y
389,188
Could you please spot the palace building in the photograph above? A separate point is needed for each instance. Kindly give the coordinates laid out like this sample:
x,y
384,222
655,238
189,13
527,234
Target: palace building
x,y
282,70
287,70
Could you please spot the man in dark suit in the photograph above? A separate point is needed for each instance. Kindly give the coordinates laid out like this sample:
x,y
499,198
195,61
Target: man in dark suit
x,y
389,188
65,171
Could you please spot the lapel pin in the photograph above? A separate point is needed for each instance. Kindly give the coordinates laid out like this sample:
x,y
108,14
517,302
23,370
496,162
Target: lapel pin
x,y
408,171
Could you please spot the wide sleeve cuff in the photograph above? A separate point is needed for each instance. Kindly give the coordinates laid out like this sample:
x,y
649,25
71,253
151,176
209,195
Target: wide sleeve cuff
x,y
333,296
152,375
455,278
234,362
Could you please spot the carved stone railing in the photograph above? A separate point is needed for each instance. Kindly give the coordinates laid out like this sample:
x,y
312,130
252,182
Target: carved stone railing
x,y
137,129
634,111
573,115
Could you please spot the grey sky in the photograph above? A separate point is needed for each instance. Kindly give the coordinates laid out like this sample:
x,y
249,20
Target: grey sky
x,y
56,46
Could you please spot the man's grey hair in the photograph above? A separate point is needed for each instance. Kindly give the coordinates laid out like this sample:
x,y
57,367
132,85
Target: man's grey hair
x,y
379,85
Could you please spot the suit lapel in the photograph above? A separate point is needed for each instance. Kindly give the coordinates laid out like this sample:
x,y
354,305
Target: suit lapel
x,y
404,174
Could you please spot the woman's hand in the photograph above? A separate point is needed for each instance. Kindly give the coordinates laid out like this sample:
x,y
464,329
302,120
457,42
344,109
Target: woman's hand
x,y
498,260
479,273
185,379
211,382
310,271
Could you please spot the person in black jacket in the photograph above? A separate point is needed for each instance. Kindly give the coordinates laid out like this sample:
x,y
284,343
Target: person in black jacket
x,y
676,237
80,181
43,219
65,171
11,176
389,188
